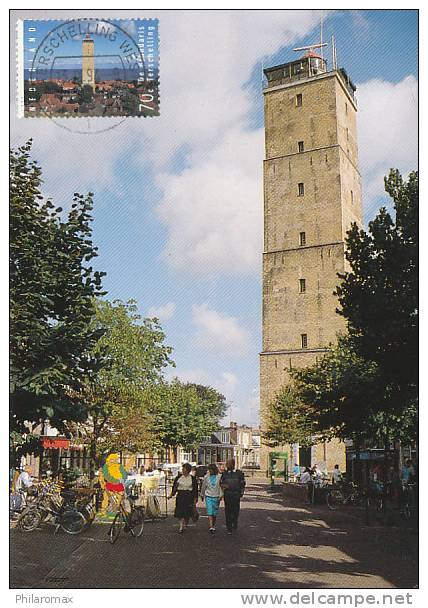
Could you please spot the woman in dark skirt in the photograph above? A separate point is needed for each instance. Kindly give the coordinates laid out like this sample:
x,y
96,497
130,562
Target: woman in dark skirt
x,y
185,488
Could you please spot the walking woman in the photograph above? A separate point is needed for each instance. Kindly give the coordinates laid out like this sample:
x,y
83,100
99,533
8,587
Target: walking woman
x,y
212,493
185,487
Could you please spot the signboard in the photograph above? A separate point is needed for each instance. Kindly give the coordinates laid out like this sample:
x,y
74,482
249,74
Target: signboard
x,y
55,443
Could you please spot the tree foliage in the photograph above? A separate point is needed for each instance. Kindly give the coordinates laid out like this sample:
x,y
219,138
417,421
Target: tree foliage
x,y
379,299
86,94
365,388
340,390
52,287
289,420
379,296
184,414
132,357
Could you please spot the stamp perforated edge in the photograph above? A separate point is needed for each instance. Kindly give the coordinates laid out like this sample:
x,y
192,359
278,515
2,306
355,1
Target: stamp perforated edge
x,y
20,67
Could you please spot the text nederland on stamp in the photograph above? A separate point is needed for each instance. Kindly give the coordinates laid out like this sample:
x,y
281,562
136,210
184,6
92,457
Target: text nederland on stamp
x,y
88,68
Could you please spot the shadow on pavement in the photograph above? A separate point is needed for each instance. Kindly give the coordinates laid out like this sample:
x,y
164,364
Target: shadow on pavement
x,y
279,544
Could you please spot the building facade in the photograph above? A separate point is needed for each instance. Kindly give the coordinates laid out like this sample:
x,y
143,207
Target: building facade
x,y
312,194
240,442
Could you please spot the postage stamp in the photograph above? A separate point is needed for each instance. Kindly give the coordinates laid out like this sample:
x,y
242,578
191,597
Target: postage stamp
x,y
88,67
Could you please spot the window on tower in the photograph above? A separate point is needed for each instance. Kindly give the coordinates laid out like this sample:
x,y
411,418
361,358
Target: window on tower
x,y
301,188
299,100
301,146
302,285
302,239
304,338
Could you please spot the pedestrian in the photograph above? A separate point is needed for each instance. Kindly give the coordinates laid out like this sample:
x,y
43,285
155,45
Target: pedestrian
x,y
233,485
13,476
337,476
185,487
201,471
306,479
212,492
296,472
24,481
407,472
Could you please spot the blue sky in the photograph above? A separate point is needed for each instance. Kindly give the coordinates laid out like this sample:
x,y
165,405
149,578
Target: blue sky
x,y
178,198
108,36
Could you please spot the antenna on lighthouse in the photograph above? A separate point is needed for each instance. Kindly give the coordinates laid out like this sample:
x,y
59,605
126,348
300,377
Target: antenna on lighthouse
x,y
310,47
333,53
322,56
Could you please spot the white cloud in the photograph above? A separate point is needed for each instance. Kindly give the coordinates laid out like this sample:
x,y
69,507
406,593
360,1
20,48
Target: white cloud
x,y
226,383
163,313
213,210
219,333
387,132
230,381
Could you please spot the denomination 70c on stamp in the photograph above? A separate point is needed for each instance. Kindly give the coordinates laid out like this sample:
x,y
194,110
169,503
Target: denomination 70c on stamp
x,y
88,68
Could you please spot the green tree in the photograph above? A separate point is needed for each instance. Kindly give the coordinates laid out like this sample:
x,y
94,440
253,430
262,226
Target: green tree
x,y
86,94
184,414
132,357
130,102
52,287
38,89
289,420
379,297
340,392
365,388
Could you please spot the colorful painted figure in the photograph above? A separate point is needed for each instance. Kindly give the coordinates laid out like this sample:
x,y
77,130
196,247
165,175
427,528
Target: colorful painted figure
x,y
112,477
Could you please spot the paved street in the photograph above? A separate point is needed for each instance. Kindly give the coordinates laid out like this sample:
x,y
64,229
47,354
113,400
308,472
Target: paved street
x,y
279,544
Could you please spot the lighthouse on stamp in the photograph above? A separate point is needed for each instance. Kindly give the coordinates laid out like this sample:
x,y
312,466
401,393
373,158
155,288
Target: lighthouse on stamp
x,y
88,62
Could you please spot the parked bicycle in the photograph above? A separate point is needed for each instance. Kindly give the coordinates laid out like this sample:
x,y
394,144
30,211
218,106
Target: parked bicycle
x,y
409,501
19,500
344,494
129,521
57,506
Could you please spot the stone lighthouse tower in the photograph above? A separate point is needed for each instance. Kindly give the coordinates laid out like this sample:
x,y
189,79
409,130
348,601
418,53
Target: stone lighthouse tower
x,y
312,193
88,62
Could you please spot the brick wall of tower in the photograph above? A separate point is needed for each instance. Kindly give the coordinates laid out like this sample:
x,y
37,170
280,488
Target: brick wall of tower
x,y
327,166
287,313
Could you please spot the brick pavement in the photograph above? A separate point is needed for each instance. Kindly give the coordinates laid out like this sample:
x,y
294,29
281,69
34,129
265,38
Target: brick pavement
x,y
280,544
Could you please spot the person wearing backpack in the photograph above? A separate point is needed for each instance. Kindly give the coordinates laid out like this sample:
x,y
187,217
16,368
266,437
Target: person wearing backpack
x,y
233,485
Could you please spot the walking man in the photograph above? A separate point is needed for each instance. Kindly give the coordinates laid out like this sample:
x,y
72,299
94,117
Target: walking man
x,y
233,485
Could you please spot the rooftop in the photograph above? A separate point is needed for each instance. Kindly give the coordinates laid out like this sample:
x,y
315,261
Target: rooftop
x,y
309,66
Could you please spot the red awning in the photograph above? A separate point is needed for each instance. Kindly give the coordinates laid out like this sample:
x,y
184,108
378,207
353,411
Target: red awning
x,y
55,443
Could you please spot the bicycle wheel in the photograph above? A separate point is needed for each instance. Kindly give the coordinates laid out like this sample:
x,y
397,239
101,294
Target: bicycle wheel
x,y
116,527
334,499
29,519
72,521
356,499
406,511
136,521
379,504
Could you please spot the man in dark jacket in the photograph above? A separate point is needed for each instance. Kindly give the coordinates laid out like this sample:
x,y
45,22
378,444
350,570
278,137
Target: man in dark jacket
x,y
233,484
